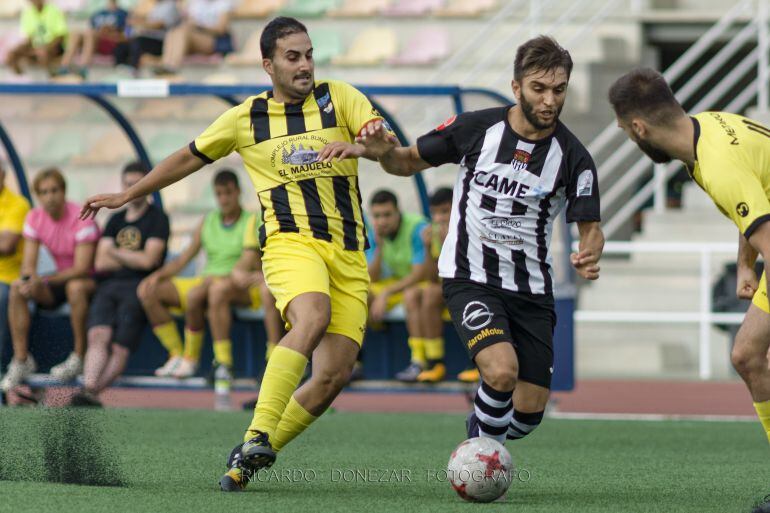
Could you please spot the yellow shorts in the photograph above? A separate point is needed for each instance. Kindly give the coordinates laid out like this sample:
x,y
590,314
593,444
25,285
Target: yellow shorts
x,y
184,284
376,287
760,296
295,264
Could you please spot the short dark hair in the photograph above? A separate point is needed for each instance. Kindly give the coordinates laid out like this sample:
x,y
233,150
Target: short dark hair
x,y
383,196
644,92
540,53
441,196
49,172
226,176
278,28
135,167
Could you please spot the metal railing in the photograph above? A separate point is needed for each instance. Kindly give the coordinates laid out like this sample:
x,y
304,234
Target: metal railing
x,y
704,316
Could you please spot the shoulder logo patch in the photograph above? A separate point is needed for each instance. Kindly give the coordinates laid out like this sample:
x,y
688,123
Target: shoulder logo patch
x,y
449,121
585,183
742,209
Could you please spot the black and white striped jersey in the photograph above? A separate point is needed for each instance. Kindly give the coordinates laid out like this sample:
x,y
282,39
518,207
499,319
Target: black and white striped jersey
x,y
506,196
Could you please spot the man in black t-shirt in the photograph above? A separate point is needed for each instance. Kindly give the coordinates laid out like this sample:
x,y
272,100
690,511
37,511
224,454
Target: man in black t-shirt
x,y
519,166
132,246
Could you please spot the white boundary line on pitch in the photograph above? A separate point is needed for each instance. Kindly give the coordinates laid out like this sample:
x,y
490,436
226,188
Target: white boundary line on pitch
x,y
651,417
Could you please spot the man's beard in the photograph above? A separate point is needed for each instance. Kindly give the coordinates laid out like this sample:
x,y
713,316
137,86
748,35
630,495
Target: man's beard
x,y
529,112
656,154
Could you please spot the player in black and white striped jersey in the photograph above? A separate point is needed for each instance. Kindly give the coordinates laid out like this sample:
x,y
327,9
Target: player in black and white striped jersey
x,y
519,166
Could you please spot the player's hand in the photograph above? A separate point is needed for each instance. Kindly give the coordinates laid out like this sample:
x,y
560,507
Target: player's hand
x,y
747,283
341,150
376,139
379,308
586,264
94,203
427,236
24,287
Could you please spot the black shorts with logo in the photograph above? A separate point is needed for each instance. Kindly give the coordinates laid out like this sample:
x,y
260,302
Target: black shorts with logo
x,y
485,315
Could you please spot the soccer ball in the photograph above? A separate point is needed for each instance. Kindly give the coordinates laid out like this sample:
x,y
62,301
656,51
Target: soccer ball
x,y
479,469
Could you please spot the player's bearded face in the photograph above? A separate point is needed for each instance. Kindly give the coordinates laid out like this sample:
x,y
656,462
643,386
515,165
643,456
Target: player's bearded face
x,y
293,67
542,96
656,154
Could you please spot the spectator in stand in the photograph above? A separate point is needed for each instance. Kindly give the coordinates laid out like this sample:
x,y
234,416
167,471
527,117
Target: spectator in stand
x,y
205,30
132,247
147,32
221,235
107,29
45,30
13,210
55,224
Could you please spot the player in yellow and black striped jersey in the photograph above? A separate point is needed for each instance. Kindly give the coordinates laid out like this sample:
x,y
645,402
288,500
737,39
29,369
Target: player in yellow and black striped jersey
x,y
728,156
297,142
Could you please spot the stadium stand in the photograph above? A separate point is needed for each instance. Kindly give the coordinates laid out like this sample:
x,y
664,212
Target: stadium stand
x,y
370,47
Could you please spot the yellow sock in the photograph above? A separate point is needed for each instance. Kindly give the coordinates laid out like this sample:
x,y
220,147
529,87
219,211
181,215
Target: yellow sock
x,y
434,348
282,375
169,337
193,344
417,345
269,349
763,412
223,352
295,420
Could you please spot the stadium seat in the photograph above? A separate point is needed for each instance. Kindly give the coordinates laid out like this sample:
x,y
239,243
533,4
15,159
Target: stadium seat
x,y
413,7
166,143
11,8
426,47
309,8
359,8
70,6
257,8
466,8
369,48
60,147
112,148
249,55
327,44
161,108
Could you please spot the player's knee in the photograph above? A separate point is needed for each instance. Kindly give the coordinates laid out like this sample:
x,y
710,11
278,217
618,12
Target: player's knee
x,y
99,337
15,289
433,296
76,290
746,361
220,292
313,321
412,298
500,377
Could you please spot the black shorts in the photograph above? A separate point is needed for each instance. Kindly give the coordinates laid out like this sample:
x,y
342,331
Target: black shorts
x,y
116,305
485,315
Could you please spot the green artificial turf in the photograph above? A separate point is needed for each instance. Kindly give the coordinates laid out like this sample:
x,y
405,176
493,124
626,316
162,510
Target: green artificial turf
x,y
170,461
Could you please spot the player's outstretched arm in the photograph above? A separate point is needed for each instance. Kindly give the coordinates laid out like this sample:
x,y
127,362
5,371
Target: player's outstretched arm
x,y
382,146
586,260
172,169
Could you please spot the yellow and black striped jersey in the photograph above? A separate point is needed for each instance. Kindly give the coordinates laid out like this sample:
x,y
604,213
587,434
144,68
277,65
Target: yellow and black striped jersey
x,y
279,144
732,164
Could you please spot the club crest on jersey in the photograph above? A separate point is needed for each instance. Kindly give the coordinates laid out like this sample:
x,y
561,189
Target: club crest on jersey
x,y
449,121
520,159
299,155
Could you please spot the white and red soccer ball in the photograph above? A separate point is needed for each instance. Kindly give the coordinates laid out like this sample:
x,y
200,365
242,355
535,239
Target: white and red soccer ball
x,y
480,469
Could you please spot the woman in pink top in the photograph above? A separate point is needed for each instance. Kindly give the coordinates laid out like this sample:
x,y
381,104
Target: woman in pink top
x,y
55,224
